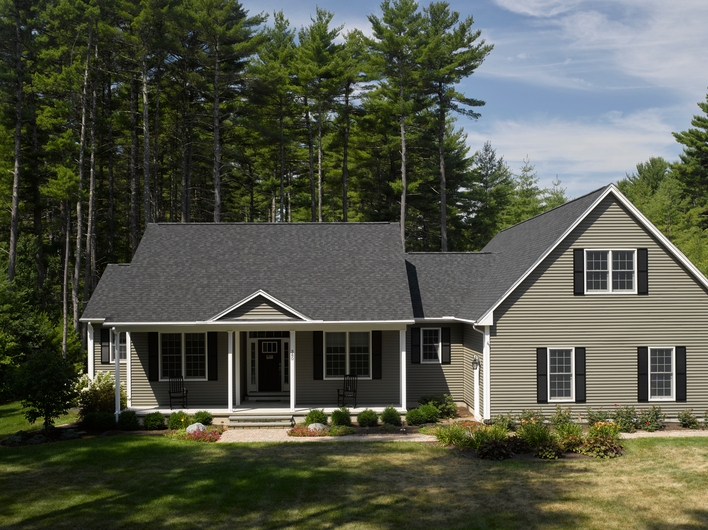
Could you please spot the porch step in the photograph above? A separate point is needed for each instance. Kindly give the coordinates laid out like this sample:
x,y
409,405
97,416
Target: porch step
x,y
246,421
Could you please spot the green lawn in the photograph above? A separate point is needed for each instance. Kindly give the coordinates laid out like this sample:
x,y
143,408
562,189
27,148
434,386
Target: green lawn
x,y
155,482
12,420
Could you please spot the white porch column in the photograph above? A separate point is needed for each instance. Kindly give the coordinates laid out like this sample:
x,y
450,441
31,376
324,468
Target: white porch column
x,y
237,349
402,339
128,368
116,362
293,377
91,353
230,400
486,354
476,393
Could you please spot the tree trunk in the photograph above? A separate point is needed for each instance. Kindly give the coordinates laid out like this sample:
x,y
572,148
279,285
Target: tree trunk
x,y
404,181
157,182
184,173
79,202
15,208
37,200
443,183
111,185
345,157
282,163
311,160
134,208
217,141
319,161
146,145
66,214
90,268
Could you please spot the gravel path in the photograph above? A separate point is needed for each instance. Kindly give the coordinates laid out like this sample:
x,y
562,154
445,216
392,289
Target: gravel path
x,y
281,435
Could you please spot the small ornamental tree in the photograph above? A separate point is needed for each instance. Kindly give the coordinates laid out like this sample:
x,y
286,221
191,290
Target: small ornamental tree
x,y
46,383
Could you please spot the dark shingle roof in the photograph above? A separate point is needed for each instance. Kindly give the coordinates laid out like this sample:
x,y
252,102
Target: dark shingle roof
x,y
192,272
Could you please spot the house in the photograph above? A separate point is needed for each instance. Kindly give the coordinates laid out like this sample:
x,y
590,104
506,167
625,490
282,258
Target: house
x,y
587,304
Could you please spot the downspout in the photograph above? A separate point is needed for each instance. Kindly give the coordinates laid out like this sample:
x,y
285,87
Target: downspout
x,y
486,347
116,361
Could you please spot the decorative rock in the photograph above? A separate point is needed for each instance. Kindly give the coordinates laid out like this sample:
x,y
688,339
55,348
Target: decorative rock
x,y
317,427
194,427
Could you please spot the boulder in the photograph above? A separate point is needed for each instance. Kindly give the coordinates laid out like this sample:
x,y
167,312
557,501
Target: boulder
x,y
317,427
194,427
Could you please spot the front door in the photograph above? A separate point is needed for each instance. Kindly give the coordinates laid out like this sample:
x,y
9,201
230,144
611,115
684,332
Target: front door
x,y
269,361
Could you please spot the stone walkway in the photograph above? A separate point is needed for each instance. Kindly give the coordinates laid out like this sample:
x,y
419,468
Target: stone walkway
x,y
281,435
682,433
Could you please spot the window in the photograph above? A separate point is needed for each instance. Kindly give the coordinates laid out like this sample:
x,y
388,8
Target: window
x,y
560,374
610,271
183,355
347,353
122,348
431,345
661,373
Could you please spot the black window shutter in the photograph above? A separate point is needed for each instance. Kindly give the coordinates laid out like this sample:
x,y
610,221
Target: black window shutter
x,y
317,359
153,356
642,271
445,345
541,375
212,356
680,373
578,271
105,346
376,347
642,374
579,375
415,345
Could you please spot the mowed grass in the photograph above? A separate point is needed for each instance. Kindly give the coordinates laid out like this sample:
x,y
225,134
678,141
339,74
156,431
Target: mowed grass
x,y
154,482
13,420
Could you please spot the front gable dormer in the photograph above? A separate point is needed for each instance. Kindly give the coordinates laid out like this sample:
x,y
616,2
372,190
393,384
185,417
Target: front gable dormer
x,y
260,306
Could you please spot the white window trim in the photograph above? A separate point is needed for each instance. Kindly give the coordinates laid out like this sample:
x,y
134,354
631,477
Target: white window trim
x,y
570,399
673,373
609,289
347,369
423,360
184,357
127,350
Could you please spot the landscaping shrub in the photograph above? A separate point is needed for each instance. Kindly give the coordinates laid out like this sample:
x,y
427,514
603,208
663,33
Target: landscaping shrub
x,y
570,437
391,416
203,417
531,416
517,445
494,450
388,428
549,450
302,431
341,416
99,421
597,415
99,395
687,419
367,418
341,430
155,421
486,433
316,416
505,421
625,418
602,446
652,420
534,433
705,420
562,416
443,402
128,421
452,434
210,435
178,420
604,428
423,414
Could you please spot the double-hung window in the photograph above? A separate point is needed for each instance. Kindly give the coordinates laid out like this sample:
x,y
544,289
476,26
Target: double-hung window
x,y
430,338
183,354
347,353
661,374
122,348
610,271
560,374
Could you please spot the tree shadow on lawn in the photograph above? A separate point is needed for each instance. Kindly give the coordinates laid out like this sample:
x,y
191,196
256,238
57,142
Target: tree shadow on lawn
x,y
160,483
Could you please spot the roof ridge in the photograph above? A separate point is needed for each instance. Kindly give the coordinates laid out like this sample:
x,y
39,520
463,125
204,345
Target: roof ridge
x,y
461,252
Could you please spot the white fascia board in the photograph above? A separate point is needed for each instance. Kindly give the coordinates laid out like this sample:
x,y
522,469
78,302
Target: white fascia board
x,y
284,325
265,295
443,320
611,189
93,321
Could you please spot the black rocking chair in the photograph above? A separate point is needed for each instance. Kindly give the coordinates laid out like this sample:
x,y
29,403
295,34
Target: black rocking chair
x,y
178,391
349,390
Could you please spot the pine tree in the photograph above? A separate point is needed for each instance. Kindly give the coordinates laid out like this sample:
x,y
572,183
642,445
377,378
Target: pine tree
x,y
692,169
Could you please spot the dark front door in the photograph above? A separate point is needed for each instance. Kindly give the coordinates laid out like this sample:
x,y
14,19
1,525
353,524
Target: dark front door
x,y
269,359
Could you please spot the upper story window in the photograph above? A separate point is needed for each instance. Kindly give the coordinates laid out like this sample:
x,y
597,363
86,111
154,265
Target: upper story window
x,y
610,271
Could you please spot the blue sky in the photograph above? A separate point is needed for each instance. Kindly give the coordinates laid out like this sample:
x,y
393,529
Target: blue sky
x,y
585,89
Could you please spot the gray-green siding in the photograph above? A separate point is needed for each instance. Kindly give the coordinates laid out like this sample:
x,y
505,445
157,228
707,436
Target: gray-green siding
x,y
370,392
543,312
259,308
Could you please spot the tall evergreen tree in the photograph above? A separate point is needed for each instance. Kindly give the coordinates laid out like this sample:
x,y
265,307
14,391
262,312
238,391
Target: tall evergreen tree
x,y
692,169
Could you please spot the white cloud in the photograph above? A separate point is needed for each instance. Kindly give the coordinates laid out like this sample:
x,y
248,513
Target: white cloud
x,y
538,8
585,154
